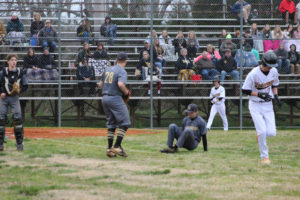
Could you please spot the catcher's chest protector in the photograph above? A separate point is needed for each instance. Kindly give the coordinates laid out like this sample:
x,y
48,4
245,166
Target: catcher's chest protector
x,y
10,77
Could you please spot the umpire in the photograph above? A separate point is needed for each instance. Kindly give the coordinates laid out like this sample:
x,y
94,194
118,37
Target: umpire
x,y
113,84
190,134
12,83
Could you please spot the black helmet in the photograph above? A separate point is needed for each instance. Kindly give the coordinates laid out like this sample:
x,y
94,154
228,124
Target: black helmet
x,y
216,78
269,59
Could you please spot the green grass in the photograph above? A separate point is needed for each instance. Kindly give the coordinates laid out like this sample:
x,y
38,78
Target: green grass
x,y
77,168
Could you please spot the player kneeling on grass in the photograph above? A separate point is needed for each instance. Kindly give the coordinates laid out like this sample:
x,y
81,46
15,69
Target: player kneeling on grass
x,y
12,83
113,86
189,135
261,85
217,95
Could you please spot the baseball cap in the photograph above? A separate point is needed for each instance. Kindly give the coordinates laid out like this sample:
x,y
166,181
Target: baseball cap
x,y
122,56
191,108
228,36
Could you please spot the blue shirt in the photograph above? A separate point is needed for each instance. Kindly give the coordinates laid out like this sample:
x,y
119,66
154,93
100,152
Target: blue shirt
x,y
110,80
198,125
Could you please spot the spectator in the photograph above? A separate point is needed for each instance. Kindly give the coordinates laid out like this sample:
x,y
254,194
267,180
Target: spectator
x,y
166,43
228,66
236,9
248,58
222,38
297,37
228,44
257,38
145,67
179,42
267,38
35,27
31,61
100,53
215,56
184,66
14,30
84,31
192,45
282,59
160,51
48,36
84,53
277,36
206,67
288,11
288,34
236,38
248,40
2,32
256,53
154,36
298,11
294,60
86,75
47,63
147,47
108,30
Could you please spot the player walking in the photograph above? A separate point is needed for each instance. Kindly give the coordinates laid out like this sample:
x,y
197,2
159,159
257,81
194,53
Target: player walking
x,y
113,86
217,96
189,135
12,83
261,85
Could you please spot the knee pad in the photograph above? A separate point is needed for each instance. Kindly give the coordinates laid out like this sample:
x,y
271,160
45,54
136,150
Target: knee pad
x,y
17,121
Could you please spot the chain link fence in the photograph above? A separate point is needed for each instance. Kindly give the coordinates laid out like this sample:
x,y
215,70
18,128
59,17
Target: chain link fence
x,y
70,99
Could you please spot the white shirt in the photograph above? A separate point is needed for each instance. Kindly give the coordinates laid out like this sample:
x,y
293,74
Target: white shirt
x,y
215,93
257,81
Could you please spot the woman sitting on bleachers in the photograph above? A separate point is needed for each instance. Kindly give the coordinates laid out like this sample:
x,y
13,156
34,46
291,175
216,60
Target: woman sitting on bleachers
x,y
15,30
297,37
277,37
184,66
179,42
100,53
205,66
35,27
166,42
84,53
30,61
192,45
267,38
257,38
160,52
84,31
2,32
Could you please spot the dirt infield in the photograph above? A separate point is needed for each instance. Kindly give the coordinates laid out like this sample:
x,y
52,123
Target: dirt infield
x,y
71,132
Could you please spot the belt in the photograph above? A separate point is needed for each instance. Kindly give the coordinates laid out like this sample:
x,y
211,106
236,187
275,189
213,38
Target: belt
x,y
109,95
261,101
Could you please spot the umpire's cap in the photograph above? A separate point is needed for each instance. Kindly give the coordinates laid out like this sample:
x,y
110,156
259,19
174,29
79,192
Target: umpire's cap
x,y
269,59
191,108
122,56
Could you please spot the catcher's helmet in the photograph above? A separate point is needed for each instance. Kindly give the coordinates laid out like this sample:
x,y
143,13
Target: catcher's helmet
x,y
216,78
269,59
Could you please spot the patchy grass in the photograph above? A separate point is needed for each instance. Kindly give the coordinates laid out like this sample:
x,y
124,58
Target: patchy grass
x,y
77,168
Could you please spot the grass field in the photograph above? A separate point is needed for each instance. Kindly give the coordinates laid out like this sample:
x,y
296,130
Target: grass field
x,y
77,168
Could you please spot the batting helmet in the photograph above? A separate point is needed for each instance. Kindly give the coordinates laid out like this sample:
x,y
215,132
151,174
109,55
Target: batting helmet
x,y
216,78
269,59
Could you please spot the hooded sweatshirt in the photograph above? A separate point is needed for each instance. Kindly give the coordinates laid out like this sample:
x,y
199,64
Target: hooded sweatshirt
x,y
294,56
105,27
287,5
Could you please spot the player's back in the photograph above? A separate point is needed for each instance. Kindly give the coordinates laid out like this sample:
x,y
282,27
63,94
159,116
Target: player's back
x,y
110,80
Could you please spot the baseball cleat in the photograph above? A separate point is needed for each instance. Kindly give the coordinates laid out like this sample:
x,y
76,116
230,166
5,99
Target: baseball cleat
x,y
110,154
1,147
119,151
169,150
265,161
20,147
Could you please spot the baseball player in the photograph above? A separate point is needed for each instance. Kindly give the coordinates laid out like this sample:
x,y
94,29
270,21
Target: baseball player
x,y
261,85
12,83
113,84
217,96
189,135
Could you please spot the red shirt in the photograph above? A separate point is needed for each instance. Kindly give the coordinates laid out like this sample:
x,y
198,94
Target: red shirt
x,y
287,5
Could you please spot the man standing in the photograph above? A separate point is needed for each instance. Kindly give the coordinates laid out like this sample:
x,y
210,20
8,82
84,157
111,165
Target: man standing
x,y
113,86
189,135
217,96
261,85
12,83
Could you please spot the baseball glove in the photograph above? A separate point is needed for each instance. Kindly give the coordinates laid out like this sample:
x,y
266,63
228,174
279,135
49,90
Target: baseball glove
x,y
16,89
126,97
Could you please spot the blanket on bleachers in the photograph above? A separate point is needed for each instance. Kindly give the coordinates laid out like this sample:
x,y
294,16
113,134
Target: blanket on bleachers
x,y
99,66
42,74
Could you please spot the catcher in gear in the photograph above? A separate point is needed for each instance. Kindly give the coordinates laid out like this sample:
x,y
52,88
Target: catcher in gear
x,y
12,83
115,94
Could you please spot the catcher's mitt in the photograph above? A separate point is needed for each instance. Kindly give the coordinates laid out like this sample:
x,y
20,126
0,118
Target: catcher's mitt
x,y
126,97
16,89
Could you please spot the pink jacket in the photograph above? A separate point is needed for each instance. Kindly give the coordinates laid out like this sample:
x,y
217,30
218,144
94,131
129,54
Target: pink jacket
x,y
217,55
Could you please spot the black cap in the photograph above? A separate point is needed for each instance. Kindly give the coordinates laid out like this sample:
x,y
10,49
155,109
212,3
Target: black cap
x,y
191,108
122,56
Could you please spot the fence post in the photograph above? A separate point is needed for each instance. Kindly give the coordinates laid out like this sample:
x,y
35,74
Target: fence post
x,y
241,69
151,63
59,63
224,8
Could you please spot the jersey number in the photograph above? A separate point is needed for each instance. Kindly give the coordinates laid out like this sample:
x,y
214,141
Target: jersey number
x,y
109,76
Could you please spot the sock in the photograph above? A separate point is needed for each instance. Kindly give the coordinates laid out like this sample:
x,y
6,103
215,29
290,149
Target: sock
x,y
110,137
158,87
121,134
